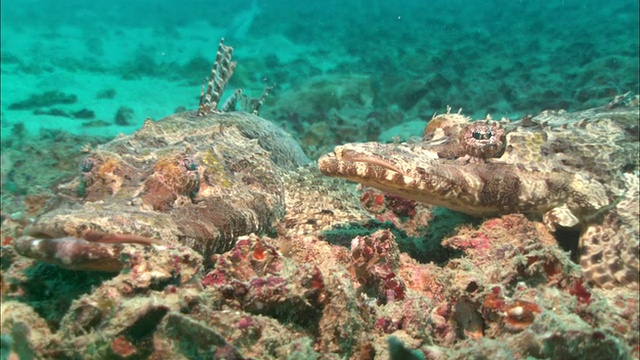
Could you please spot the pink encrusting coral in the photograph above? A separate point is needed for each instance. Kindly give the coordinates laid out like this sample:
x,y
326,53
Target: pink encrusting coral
x,y
254,276
375,261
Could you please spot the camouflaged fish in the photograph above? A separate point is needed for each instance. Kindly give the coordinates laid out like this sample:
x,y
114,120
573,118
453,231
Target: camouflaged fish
x,y
198,178
574,170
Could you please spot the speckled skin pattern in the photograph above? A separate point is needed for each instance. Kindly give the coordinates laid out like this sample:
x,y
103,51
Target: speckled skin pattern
x,y
574,170
199,181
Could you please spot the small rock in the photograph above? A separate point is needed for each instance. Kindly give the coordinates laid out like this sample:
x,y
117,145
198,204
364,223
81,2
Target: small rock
x,y
124,115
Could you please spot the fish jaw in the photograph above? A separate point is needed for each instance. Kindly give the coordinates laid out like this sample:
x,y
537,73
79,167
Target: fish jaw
x,y
71,253
478,189
86,239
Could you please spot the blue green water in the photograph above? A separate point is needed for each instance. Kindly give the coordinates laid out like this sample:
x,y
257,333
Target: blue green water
x,y
95,69
503,57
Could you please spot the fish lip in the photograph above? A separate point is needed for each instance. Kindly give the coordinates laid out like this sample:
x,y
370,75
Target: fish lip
x,y
89,235
41,232
71,252
377,161
345,155
86,250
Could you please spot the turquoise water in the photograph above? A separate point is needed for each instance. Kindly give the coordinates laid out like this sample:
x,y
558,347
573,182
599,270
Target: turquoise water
x,y
95,69
503,57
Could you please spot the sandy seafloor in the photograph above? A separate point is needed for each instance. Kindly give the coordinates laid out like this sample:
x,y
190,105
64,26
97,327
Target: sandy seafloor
x,y
382,68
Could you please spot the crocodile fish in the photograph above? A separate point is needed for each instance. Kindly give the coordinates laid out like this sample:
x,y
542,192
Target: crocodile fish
x,y
198,178
572,170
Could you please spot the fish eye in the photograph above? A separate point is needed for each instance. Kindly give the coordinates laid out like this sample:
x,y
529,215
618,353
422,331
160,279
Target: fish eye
x,y
190,164
481,135
87,165
482,140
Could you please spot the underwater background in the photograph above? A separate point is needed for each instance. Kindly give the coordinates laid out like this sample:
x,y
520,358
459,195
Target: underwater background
x,y
83,72
78,73
72,65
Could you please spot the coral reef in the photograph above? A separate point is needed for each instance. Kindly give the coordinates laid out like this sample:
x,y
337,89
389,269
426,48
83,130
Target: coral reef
x,y
106,94
84,114
223,241
79,114
515,293
58,155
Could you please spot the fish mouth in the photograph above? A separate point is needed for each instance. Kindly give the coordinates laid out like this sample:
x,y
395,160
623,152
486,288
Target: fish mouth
x,y
351,156
94,236
368,169
421,178
42,232
349,163
71,252
88,250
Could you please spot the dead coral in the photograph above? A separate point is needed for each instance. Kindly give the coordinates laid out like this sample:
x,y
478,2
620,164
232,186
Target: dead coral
x,y
375,261
255,277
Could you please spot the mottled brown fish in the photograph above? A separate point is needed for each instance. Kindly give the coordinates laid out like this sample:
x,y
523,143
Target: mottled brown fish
x,y
199,178
574,170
